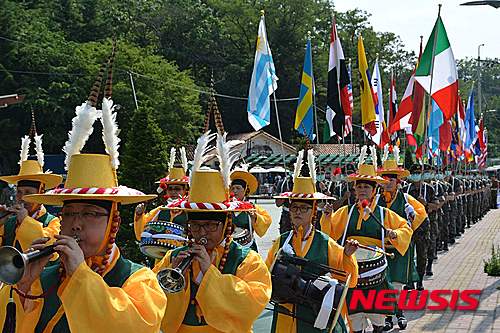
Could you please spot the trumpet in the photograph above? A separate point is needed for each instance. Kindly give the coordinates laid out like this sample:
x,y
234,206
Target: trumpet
x,y
172,280
13,262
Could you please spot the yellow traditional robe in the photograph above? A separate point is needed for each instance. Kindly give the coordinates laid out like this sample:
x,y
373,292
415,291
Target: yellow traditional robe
x,y
336,259
31,229
335,224
228,303
263,221
90,305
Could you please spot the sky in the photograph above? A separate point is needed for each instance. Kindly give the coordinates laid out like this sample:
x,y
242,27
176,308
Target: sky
x,y
467,26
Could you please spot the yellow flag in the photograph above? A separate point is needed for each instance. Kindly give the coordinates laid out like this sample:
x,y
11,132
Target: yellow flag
x,y
368,115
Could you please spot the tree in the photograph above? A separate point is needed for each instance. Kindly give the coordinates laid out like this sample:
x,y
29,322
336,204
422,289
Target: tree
x,y
140,168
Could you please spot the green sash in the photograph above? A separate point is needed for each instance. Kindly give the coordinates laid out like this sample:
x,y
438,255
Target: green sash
x,y
116,277
235,257
401,269
369,228
180,219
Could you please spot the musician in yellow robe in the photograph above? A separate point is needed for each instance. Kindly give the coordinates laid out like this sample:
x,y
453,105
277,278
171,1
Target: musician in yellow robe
x,y
352,222
243,184
226,286
24,222
175,186
402,270
311,244
92,288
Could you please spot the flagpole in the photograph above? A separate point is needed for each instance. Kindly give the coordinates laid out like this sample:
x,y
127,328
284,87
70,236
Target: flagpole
x,y
314,93
275,103
429,105
337,68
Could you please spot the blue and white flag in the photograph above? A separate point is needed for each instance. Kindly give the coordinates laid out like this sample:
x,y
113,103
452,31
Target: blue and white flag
x,y
263,83
470,123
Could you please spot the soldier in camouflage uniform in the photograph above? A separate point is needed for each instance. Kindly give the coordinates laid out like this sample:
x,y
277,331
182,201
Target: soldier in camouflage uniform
x,y
434,211
443,212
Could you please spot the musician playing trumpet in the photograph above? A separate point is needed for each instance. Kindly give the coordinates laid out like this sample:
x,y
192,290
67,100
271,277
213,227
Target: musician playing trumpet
x,y
93,288
311,244
370,226
24,222
227,286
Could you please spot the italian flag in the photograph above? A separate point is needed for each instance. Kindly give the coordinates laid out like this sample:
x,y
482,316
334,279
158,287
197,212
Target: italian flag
x,y
444,71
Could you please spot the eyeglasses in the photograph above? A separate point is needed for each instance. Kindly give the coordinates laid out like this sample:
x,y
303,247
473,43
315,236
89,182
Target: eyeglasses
x,y
301,209
209,227
85,216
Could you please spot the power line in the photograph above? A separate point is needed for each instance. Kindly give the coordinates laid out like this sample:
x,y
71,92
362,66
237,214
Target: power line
x,y
146,77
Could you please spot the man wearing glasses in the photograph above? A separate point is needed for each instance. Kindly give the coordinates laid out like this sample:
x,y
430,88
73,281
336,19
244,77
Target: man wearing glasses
x,y
311,244
226,285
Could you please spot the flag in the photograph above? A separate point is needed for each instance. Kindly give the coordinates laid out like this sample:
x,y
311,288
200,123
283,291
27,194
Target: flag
x,y
435,121
470,124
417,118
480,134
445,136
381,137
402,115
368,116
462,134
444,71
393,104
348,116
263,82
338,107
483,145
304,117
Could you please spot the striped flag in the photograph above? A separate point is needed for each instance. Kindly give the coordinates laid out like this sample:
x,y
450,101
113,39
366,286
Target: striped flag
x,y
304,117
381,137
263,82
348,116
338,106
444,71
470,124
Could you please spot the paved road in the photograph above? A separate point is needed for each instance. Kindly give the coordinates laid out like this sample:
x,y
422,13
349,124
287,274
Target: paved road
x,y
462,267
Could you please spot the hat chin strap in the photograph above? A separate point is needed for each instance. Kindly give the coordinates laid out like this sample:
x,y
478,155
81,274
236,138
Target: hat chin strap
x,y
101,260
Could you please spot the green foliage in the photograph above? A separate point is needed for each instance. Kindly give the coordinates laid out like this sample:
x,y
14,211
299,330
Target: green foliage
x,y
492,266
490,92
140,168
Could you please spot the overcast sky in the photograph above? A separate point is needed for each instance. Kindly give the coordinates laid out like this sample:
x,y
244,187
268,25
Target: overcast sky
x,y
467,26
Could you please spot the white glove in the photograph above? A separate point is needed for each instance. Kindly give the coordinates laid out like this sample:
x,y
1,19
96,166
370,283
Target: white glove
x,y
410,211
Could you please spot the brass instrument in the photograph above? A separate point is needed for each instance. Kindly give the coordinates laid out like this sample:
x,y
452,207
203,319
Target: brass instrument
x,y
172,280
13,262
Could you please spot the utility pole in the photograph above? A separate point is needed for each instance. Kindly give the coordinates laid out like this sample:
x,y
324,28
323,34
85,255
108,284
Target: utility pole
x,y
479,97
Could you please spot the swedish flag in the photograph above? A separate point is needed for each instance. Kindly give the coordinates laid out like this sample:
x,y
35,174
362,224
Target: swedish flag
x,y
304,117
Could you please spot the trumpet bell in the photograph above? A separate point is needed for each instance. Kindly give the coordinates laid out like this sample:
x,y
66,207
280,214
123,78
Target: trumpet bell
x,y
171,280
12,263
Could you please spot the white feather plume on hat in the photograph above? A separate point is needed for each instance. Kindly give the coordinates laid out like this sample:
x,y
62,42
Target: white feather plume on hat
x,y
25,148
227,156
362,156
